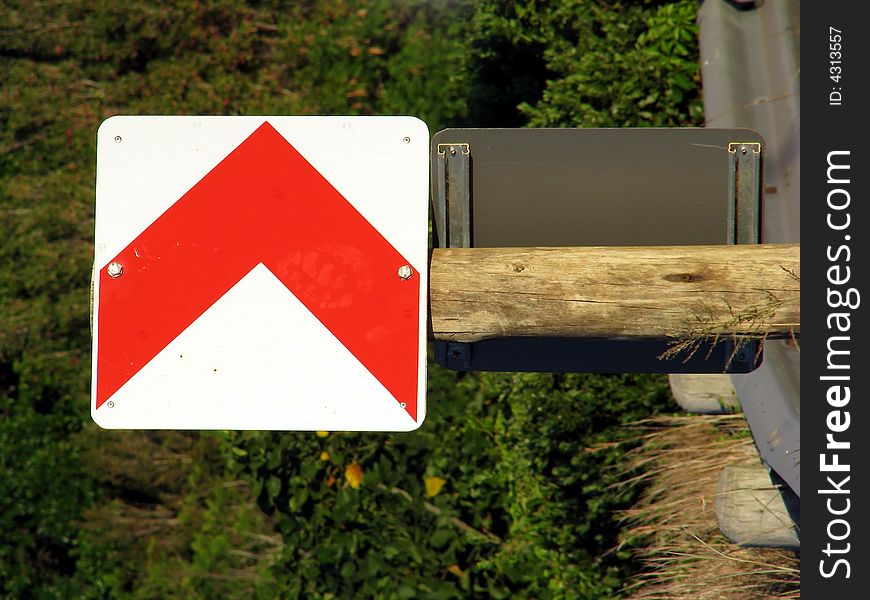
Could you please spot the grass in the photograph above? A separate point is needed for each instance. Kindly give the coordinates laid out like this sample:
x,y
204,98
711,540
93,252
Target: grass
x,y
673,530
752,323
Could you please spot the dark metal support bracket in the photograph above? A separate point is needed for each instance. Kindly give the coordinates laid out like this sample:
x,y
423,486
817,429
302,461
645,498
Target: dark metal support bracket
x,y
452,217
744,192
744,220
453,196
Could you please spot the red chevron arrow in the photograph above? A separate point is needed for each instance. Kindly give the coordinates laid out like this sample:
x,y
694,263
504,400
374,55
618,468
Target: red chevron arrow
x,y
263,203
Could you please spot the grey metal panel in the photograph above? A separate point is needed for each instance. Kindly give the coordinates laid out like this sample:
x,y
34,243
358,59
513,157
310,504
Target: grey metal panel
x,y
598,187
750,66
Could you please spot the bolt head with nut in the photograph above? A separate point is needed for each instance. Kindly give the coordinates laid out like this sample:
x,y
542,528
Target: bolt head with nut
x,y
405,272
115,269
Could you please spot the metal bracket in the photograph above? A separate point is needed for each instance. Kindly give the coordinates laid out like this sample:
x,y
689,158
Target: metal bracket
x,y
744,192
453,148
452,216
744,226
458,356
742,356
452,194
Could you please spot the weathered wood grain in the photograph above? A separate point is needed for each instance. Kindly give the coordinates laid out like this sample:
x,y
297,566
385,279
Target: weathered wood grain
x,y
654,292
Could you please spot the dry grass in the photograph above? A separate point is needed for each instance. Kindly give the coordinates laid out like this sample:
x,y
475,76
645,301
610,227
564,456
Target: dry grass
x,y
673,526
753,323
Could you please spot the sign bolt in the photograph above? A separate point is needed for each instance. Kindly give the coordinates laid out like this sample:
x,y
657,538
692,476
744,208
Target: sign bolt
x,y
406,139
118,139
405,272
110,404
114,269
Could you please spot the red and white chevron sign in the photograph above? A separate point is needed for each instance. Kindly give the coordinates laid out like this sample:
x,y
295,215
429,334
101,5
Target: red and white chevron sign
x,y
260,273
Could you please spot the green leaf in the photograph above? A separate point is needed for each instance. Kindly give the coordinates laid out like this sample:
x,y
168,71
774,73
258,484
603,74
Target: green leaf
x,y
273,487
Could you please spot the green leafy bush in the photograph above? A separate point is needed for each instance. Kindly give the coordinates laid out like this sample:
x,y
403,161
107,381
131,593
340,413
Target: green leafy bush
x,y
607,64
524,508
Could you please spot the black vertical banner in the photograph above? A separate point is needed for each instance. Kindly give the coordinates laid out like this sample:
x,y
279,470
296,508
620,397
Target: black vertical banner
x,y
835,371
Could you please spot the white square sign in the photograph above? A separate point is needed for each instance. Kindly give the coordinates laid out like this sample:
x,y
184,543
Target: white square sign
x,y
260,273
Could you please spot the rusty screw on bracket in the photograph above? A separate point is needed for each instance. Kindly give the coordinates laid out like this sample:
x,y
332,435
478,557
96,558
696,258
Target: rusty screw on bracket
x,y
405,272
115,269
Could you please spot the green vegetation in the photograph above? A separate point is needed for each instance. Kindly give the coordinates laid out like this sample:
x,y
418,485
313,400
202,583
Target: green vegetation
x,y
496,496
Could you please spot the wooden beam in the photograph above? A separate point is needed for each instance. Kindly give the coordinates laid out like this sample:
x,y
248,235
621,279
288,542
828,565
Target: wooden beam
x,y
652,292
